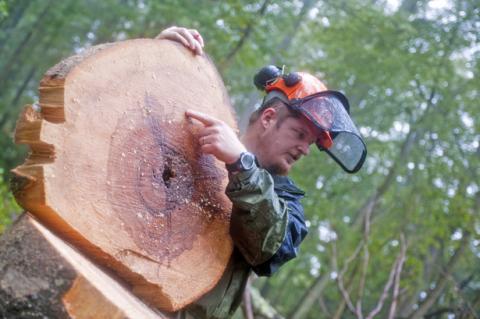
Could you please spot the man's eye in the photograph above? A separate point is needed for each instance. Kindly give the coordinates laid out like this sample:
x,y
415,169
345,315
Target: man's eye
x,y
300,134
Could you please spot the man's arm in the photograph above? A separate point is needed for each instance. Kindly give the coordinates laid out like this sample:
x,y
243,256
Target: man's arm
x,y
259,218
294,235
266,228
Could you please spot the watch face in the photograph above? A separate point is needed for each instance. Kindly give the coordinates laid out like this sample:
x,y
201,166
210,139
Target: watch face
x,y
247,160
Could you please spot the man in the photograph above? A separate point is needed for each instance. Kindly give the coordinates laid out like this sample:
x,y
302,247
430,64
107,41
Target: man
x,y
267,222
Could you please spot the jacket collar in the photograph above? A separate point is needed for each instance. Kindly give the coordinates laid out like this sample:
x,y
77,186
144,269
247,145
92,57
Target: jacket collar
x,y
285,183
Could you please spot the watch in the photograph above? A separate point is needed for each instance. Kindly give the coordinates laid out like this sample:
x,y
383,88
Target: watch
x,y
245,162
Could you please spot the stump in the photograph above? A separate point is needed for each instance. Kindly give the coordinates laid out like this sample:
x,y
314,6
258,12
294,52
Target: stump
x,y
116,170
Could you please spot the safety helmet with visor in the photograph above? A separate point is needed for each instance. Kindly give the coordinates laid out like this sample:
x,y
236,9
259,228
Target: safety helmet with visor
x,y
328,110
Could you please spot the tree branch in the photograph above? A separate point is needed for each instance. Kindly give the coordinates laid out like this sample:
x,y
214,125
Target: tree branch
x,y
308,298
341,286
247,301
246,34
441,281
393,277
458,290
366,258
396,286
282,47
261,307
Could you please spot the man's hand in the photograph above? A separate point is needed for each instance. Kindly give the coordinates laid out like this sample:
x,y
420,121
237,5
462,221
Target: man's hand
x,y
217,138
190,38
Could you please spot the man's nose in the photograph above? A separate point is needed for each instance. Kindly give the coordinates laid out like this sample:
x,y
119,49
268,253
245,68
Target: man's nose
x,y
305,149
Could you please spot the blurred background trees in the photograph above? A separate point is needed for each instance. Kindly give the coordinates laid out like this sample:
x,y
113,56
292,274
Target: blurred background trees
x,y
400,239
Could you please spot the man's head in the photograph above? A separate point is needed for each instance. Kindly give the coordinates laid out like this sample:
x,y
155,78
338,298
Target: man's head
x,y
280,136
297,111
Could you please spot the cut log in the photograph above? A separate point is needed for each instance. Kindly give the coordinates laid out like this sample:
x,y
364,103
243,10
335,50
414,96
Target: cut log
x,y
43,277
115,168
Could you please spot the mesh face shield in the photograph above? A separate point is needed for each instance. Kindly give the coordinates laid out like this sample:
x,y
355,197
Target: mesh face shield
x,y
328,111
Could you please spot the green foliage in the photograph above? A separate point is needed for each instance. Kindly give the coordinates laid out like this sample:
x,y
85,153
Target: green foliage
x,y
8,207
411,75
3,9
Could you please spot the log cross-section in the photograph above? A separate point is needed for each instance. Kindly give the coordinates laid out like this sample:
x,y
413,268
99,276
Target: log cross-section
x,y
116,170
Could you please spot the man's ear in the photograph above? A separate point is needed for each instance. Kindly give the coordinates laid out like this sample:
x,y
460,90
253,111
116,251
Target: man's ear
x,y
269,117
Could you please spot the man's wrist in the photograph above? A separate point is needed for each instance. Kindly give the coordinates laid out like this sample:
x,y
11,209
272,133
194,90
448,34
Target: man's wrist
x,y
245,162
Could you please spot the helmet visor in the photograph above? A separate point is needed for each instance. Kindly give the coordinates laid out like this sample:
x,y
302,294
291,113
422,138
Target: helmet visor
x,y
328,111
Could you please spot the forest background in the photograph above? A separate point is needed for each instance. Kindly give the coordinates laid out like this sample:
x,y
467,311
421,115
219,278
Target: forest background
x,y
400,239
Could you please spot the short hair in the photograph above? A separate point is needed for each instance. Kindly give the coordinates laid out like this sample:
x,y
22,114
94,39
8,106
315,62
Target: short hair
x,y
284,112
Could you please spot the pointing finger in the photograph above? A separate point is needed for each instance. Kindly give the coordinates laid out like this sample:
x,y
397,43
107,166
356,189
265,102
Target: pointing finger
x,y
201,117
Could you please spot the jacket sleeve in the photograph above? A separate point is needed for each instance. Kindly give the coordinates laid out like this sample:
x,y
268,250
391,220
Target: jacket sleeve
x,y
265,227
294,235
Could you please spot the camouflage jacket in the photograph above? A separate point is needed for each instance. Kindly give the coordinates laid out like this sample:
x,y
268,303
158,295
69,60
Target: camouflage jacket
x,y
267,227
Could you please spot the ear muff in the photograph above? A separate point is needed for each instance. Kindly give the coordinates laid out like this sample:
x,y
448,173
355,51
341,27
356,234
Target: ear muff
x,y
266,75
292,78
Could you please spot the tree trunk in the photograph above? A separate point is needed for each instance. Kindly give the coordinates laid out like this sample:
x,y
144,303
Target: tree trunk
x,y
115,168
283,46
40,43
6,68
246,34
309,297
261,307
441,281
5,118
43,277
10,22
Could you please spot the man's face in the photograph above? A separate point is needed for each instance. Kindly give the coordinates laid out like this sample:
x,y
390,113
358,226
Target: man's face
x,y
284,142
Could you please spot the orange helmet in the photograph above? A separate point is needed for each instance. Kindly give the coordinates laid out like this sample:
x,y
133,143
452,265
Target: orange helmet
x,y
305,85
296,85
328,110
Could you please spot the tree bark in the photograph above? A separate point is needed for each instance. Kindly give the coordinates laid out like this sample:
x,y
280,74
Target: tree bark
x,y
43,277
115,168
